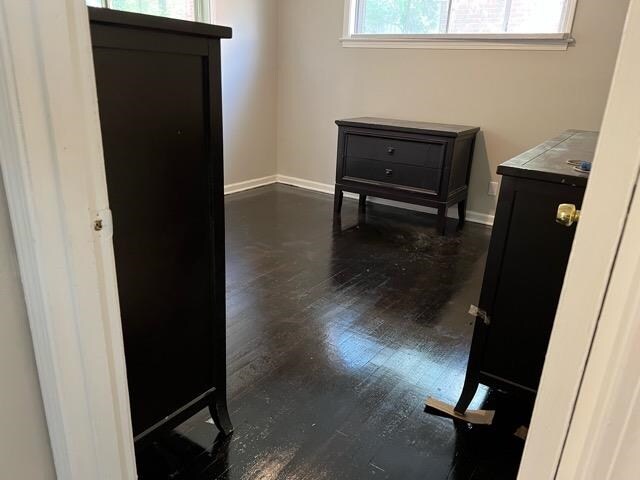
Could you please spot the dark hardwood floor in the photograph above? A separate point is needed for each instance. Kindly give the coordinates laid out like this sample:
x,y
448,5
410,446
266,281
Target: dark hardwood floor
x,y
335,338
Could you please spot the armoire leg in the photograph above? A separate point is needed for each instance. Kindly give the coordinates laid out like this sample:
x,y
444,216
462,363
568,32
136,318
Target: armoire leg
x,y
362,205
441,224
337,201
462,213
468,392
220,414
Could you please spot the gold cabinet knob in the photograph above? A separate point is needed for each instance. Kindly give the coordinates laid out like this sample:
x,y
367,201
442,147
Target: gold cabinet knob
x,y
567,214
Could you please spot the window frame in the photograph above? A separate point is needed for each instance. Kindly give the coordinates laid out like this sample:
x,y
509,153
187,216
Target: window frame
x,y
203,9
469,41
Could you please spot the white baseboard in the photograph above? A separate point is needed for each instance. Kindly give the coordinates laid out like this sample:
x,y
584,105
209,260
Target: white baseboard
x,y
482,218
474,217
307,184
249,184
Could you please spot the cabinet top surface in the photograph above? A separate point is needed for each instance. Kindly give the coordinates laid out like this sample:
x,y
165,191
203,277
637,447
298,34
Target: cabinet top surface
x,y
107,16
548,161
441,129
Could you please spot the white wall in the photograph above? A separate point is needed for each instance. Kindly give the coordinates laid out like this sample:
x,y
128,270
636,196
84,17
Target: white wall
x,y
25,452
519,98
249,86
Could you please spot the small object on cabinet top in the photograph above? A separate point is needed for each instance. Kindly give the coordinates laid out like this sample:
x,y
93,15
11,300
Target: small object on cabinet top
x,y
552,161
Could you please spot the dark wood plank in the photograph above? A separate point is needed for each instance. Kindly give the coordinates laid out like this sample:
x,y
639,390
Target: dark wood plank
x,y
334,339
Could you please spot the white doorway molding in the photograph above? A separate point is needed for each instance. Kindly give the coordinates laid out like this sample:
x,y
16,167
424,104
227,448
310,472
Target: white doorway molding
x,y
53,169
591,376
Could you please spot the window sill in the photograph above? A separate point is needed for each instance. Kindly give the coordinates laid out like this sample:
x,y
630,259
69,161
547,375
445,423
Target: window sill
x,y
458,43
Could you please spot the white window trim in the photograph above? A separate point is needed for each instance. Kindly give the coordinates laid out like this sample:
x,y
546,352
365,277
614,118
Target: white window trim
x,y
203,8
474,41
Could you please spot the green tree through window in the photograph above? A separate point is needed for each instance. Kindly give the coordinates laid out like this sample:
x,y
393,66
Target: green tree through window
x,y
424,17
402,16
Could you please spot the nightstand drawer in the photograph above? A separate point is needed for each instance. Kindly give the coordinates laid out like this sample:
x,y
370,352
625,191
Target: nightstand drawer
x,y
408,152
392,173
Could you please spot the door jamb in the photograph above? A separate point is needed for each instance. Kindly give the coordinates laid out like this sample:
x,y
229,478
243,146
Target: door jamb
x,y
554,444
53,169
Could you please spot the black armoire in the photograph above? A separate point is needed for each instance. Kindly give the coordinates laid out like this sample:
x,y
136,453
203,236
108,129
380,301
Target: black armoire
x,y
527,259
159,96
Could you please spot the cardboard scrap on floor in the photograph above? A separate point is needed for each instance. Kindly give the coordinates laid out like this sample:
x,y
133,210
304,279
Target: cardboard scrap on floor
x,y
476,417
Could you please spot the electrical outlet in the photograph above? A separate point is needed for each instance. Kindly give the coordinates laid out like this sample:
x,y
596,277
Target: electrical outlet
x,y
493,189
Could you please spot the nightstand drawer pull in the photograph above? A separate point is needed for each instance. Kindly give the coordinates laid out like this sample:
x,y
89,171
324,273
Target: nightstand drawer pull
x,y
391,150
388,172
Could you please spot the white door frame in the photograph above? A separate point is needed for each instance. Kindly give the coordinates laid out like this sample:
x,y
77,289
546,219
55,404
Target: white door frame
x,y
571,399
53,168
604,437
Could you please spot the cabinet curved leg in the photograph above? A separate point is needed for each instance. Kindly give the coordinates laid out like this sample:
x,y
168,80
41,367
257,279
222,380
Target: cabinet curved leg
x,y
474,366
337,201
220,414
362,204
462,213
468,392
441,223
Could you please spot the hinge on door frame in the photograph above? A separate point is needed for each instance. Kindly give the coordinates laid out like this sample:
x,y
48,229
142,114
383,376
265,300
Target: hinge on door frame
x,y
102,223
478,312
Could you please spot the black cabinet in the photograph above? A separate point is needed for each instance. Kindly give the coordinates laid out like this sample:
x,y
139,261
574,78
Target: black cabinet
x,y
415,162
158,85
526,264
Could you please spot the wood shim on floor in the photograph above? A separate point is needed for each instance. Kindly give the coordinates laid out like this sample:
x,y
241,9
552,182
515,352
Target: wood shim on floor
x,y
476,417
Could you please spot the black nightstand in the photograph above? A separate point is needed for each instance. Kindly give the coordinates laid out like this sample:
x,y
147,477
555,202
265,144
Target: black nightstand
x,y
414,162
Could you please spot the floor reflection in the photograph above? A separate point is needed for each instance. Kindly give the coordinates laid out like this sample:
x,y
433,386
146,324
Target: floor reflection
x,y
335,338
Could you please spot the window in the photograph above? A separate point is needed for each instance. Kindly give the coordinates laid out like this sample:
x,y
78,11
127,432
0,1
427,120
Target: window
x,y
540,24
194,10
